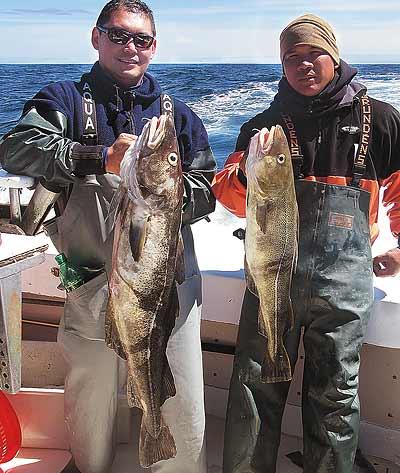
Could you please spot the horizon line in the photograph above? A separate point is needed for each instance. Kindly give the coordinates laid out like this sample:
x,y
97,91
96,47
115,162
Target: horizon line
x,y
201,63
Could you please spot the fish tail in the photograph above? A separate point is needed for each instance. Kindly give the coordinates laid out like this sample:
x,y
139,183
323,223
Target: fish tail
x,y
133,399
152,450
276,369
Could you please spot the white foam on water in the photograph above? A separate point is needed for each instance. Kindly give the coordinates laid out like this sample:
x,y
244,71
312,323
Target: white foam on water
x,y
217,110
385,88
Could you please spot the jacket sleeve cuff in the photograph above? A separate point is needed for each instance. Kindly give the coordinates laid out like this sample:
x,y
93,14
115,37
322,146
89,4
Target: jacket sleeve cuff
x,y
88,160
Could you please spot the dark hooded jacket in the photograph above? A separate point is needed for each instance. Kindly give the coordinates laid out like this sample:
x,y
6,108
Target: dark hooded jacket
x,y
50,132
322,124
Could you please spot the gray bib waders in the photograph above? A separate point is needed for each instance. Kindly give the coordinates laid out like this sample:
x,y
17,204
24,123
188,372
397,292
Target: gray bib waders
x,y
95,374
332,296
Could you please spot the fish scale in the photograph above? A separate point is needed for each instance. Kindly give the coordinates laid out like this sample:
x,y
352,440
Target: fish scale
x,y
143,302
271,244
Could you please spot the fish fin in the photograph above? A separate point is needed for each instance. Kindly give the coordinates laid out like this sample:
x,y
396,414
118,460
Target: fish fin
x,y
172,310
111,333
276,366
168,389
115,206
168,386
251,285
137,235
262,329
112,341
180,262
133,400
262,217
152,450
278,369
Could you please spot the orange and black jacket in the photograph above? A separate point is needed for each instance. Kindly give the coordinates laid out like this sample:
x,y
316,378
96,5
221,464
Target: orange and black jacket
x,y
322,124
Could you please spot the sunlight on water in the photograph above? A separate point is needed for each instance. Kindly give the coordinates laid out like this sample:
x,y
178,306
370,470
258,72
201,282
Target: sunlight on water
x,y
223,95
387,90
219,110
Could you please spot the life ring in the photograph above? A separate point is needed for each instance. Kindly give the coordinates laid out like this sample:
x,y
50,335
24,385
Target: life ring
x,y
10,431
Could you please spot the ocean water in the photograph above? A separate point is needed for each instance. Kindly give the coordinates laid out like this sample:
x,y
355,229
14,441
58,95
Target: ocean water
x,y
223,95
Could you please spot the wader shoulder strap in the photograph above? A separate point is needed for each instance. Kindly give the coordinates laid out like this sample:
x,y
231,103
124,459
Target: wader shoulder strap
x,y
361,148
295,149
89,135
167,104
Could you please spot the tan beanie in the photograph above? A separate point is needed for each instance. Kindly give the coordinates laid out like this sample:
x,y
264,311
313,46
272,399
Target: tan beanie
x,y
312,30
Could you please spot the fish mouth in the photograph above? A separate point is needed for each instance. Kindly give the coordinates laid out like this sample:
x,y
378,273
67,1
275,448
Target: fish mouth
x,y
267,139
155,131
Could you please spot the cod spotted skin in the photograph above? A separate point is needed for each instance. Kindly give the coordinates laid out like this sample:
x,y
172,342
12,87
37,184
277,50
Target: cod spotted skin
x,y
146,265
271,244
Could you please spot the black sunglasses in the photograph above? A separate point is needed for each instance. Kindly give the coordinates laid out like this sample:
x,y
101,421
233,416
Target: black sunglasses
x,y
120,36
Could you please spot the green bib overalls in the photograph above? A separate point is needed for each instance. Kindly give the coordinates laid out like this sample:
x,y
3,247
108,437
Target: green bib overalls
x,y
332,296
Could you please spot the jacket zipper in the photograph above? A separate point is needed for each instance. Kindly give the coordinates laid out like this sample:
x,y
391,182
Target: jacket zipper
x,y
130,114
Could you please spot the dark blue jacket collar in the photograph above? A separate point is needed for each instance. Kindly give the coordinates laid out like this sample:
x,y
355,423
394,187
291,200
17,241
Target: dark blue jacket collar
x,y
146,93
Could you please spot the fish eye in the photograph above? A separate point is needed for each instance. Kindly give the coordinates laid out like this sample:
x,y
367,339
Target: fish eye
x,y
173,159
281,158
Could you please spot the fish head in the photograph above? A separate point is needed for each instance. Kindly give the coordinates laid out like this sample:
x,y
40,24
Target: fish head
x,y
159,169
269,165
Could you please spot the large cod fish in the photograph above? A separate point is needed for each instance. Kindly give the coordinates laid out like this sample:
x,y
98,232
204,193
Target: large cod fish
x,y
271,244
146,263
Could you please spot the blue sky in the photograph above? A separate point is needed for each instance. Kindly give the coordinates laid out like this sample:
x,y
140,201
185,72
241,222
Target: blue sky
x,y
199,31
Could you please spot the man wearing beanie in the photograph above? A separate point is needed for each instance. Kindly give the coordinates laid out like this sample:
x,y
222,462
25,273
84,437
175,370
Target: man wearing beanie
x,y
344,146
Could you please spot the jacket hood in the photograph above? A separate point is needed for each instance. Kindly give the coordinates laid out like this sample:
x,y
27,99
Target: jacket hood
x,y
339,92
146,93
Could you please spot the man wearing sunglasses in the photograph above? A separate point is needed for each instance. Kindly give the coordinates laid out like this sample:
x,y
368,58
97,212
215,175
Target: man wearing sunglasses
x,y
73,136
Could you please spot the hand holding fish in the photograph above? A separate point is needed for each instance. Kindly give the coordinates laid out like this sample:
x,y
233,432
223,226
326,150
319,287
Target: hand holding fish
x,y
387,264
116,152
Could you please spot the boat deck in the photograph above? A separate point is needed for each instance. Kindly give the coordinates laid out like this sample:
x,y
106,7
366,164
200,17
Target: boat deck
x,y
31,460
41,410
